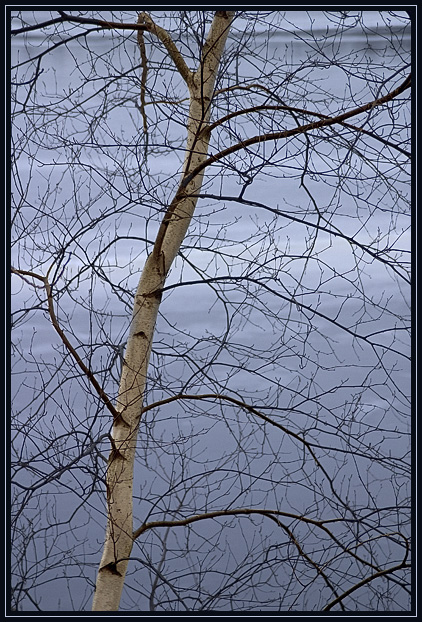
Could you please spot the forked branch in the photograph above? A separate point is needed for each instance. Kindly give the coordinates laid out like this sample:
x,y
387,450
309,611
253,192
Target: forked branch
x,y
302,129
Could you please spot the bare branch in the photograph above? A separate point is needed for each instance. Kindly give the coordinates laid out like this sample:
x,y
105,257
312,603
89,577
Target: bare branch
x,y
87,372
326,122
66,17
148,24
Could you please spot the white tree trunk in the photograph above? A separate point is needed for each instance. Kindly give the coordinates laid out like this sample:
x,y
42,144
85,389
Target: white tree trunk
x,y
119,482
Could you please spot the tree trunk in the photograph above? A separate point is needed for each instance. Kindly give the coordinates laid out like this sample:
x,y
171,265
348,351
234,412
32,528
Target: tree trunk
x,y
119,480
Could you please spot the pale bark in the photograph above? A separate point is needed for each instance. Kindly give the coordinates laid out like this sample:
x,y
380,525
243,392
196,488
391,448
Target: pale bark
x,y
119,534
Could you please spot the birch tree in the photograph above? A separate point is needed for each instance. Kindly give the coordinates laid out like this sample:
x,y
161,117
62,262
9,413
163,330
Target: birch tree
x,y
201,84
295,440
